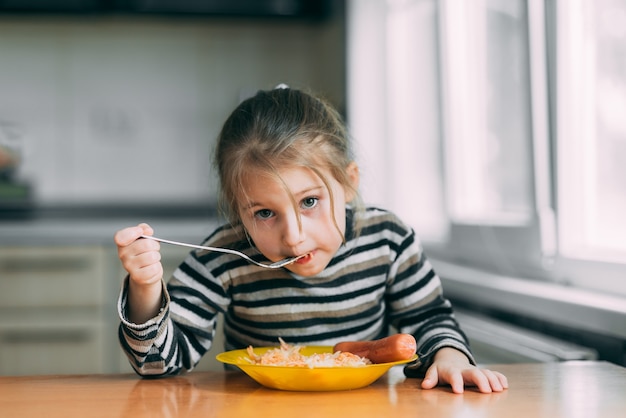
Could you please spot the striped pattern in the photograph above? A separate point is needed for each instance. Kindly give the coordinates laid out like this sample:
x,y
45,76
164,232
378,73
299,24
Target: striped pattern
x,y
378,280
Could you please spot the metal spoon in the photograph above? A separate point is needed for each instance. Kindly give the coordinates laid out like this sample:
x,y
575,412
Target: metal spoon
x,y
276,265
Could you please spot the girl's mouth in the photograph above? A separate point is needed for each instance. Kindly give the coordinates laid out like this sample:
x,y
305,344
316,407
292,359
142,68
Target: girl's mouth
x,y
304,259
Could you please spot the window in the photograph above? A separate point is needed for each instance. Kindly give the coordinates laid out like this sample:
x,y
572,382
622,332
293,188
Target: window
x,y
486,113
495,136
591,142
516,162
591,129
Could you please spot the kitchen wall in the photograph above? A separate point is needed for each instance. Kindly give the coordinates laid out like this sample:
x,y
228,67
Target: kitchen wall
x,y
109,109
115,116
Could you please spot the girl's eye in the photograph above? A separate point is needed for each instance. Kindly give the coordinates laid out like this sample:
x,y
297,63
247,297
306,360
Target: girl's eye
x,y
264,214
309,202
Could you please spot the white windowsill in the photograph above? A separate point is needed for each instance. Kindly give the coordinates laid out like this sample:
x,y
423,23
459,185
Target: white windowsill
x,y
573,307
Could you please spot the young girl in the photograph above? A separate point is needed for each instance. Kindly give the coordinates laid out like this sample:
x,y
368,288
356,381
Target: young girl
x,y
289,185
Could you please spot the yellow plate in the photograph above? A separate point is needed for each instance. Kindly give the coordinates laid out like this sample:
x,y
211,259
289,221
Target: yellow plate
x,y
304,378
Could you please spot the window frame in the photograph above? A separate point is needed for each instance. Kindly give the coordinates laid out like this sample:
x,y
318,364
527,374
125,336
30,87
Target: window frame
x,y
572,116
528,248
530,240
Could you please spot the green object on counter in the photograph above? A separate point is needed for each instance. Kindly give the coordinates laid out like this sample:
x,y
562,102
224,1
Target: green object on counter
x,y
10,191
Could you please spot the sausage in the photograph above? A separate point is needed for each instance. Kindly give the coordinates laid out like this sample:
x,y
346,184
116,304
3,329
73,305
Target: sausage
x,y
393,348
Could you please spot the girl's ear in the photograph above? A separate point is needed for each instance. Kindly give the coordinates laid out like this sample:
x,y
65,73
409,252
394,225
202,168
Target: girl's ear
x,y
352,170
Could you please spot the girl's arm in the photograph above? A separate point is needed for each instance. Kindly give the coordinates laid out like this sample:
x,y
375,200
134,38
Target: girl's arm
x,y
443,349
158,336
142,260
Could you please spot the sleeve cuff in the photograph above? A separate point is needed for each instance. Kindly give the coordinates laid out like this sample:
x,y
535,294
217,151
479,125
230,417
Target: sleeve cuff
x,y
425,360
122,310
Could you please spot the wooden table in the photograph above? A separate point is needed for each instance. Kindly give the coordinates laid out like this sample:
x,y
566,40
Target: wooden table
x,y
575,389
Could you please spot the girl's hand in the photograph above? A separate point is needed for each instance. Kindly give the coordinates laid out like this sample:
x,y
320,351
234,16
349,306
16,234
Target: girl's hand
x,y
140,257
452,367
142,260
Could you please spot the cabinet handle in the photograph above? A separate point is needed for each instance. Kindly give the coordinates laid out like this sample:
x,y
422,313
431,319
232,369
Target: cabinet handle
x,y
48,265
44,336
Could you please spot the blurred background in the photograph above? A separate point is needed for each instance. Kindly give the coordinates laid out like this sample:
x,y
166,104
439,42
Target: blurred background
x,y
494,127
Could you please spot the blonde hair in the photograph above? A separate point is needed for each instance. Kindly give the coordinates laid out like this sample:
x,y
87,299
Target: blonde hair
x,y
281,128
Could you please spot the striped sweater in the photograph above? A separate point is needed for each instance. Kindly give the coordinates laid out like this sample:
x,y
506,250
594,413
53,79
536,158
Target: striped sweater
x,y
378,281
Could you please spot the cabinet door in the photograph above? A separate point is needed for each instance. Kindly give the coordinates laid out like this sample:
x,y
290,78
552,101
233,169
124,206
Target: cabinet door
x,y
52,300
47,276
36,350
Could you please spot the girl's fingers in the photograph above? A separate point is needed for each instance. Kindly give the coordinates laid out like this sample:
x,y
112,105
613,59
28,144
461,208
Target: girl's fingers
x,y
431,379
488,381
504,383
457,382
127,236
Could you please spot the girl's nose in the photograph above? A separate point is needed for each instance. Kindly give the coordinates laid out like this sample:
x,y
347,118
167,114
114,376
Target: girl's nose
x,y
293,234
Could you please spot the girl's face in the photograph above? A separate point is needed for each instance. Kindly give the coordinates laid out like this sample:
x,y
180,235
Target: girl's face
x,y
269,217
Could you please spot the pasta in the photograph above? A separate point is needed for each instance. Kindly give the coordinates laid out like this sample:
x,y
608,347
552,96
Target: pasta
x,y
290,356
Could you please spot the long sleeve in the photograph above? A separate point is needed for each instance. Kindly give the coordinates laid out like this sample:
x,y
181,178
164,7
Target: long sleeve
x,y
158,347
418,306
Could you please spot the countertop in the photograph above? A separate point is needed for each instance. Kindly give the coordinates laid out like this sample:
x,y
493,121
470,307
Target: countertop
x,y
554,390
96,225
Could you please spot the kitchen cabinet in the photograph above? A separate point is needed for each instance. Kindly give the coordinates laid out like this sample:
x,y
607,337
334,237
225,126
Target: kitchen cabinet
x,y
51,276
52,303
60,278
52,343
58,309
